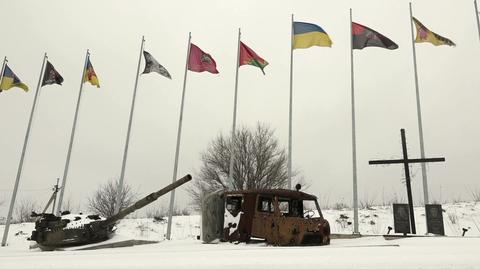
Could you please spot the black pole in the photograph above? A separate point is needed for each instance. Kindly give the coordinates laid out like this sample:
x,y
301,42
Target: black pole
x,y
407,177
55,190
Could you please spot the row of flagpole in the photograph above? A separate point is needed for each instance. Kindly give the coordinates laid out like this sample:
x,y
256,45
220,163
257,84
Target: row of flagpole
x,y
53,76
118,204
232,157
45,78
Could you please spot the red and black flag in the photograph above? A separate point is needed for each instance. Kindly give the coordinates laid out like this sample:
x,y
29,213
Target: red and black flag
x,y
363,36
51,76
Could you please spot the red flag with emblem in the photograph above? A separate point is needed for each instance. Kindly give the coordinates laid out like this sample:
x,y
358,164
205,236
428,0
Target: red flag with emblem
x,y
199,61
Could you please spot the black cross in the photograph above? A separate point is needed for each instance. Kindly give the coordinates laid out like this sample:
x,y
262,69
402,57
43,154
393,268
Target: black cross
x,y
406,161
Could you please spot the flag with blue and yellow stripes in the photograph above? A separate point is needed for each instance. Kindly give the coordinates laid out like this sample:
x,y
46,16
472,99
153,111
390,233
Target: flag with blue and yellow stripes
x,y
306,35
10,80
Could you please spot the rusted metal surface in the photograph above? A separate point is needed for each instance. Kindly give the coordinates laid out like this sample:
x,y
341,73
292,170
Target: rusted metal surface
x,y
276,192
278,216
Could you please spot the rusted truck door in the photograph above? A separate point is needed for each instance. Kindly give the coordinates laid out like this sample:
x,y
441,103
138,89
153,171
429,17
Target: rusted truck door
x,y
264,224
289,221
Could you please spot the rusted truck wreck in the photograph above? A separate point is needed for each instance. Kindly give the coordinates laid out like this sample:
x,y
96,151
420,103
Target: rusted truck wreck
x,y
281,217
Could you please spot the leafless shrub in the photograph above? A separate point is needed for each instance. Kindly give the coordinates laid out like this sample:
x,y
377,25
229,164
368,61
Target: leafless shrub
x,y
185,211
104,199
476,195
180,212
367,202
396,199
160,213
157,212
23,210
457,200
453,217
340,206
259,163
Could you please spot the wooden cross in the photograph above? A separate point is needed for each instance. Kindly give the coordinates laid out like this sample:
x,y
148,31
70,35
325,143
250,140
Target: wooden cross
x,y
406,161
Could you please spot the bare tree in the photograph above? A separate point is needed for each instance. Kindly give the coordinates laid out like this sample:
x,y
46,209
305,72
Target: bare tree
x,y
259,163
24,209
104,199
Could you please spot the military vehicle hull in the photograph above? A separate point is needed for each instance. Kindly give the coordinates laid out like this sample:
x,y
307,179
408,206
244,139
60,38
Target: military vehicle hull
x,y
87,234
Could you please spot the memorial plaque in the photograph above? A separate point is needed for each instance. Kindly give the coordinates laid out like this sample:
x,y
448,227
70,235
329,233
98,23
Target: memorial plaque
x,y
401,218
434,216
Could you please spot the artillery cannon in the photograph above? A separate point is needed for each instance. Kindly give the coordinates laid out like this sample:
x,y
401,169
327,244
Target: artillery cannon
x,y
73,230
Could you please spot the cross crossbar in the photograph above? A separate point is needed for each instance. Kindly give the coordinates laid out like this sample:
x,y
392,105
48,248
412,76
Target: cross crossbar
x,y
425,160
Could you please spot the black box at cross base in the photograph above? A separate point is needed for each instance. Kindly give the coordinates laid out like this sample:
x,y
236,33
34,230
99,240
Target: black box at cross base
x,y
401,218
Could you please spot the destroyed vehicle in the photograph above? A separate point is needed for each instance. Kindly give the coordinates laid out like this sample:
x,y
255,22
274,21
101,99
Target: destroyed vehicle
x,y
52,232
281,217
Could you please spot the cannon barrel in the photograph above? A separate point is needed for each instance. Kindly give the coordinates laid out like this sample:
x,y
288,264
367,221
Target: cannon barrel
x,y
146,200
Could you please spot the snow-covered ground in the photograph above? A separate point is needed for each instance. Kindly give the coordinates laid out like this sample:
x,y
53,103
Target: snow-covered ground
x,y
376,221
185,251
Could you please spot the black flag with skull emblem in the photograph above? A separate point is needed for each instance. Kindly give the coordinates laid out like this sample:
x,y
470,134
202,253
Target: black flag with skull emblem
x,y
151,65
51,76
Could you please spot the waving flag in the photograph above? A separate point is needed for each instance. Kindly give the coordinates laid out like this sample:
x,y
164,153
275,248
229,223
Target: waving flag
x,y
306,35
199,61
90,75
151,65
51,76
366,37
10,80
425,35
249,57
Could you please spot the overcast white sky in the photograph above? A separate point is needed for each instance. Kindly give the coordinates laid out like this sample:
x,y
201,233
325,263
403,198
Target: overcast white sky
x,y
385,95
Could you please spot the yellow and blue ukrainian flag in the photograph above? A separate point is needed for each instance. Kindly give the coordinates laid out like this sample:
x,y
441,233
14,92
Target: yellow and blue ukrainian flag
x,y
10,80
306,35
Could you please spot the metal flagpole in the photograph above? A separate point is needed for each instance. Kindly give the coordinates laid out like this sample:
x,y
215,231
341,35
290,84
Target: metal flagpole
x,y
72,136
289,165
5,61
232,153
354,145
478,19
22,157
419,113
125,152
179,135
